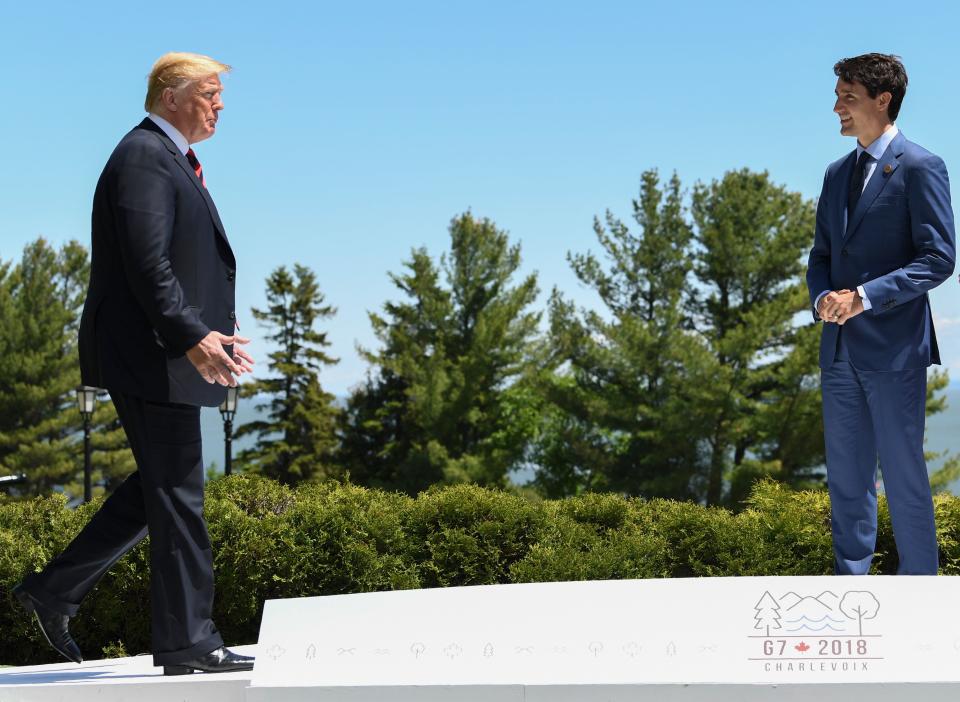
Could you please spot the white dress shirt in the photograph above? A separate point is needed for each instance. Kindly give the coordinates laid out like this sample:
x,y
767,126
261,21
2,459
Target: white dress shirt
x,y
175,136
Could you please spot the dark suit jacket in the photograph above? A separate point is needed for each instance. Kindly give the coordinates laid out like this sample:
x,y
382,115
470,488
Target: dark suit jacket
x,y
898,244
162,274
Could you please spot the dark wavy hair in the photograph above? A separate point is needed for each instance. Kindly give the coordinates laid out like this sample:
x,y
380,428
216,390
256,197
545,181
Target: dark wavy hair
x,y
878,73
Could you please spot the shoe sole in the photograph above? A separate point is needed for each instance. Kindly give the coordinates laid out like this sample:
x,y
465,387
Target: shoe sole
x,y
177,670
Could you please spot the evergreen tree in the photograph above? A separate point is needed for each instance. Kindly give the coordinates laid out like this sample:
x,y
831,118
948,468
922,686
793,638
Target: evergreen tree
x,y
698,378
451,396
620,401
295,443
40,426
762,405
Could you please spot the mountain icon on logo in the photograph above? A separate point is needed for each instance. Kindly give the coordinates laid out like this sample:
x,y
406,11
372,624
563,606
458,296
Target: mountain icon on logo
x,y
813,607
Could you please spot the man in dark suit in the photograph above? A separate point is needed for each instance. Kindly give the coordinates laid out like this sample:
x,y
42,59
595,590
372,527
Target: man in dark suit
x,y
884,238
158,331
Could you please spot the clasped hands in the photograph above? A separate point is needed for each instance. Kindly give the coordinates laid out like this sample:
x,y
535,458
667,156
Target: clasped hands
x,y
215,365
839,306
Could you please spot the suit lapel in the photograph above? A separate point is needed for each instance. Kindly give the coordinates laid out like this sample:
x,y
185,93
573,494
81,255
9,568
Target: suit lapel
x,y
881,175
182,161
204,193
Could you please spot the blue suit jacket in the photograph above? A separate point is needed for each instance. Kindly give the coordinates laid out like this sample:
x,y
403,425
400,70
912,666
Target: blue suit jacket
x,y
898,244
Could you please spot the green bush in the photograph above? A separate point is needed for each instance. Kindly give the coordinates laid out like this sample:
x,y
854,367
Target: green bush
x,y
271,541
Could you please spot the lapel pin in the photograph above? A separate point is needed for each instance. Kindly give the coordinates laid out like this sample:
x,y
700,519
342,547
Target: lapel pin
x,y
888,169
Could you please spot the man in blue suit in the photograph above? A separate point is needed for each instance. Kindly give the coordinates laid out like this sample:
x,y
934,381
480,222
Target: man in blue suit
x,y
884,238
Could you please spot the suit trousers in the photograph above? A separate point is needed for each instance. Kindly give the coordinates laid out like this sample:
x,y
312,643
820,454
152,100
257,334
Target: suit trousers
x,y
871,415
164,498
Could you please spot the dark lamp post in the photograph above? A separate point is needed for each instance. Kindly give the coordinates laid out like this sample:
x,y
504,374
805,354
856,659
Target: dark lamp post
x,y
228,410
86,401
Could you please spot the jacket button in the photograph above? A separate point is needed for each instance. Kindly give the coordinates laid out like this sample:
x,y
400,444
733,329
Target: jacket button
x,y
230,277
844,252
233,315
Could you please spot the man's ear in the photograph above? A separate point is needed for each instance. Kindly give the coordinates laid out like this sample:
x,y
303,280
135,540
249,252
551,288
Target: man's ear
x,y
883,100
169,99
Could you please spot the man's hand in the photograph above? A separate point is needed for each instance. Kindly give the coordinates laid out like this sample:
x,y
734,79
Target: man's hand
x,y
212,362
241,357
829,309
843,307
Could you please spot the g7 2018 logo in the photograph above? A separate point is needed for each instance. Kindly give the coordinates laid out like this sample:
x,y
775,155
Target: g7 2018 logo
x,y
816,633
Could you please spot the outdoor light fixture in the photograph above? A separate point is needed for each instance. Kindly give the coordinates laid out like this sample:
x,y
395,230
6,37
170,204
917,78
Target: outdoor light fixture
x,y
86,401
228,410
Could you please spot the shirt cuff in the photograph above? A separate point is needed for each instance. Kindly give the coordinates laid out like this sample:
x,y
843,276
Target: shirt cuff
x,y
816,303
863,296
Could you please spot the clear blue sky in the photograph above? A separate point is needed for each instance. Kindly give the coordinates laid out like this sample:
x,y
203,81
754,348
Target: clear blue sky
x,y
355,131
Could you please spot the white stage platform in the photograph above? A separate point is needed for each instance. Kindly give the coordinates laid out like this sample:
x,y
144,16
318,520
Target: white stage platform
x,y
119,680
712,639
136,680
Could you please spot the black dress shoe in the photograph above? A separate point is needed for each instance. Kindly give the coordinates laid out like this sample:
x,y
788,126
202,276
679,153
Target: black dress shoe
x,y
220,660
53,625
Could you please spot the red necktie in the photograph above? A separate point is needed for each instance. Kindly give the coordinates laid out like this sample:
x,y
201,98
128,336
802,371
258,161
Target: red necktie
x,y
197,168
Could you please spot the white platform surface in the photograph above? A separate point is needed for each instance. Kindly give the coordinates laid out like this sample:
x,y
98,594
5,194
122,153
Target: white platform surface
x,y
828,638
119,679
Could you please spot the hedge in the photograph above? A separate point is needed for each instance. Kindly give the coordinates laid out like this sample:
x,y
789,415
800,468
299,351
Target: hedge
x,y
271,541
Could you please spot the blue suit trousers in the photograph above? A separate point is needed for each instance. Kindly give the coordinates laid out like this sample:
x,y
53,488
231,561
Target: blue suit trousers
x,y
871,415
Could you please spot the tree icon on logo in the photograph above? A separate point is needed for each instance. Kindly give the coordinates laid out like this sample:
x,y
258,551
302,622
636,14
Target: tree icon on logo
x,y
859,605
768,613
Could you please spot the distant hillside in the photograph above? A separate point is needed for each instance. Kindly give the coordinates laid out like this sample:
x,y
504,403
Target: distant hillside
x,y
943,432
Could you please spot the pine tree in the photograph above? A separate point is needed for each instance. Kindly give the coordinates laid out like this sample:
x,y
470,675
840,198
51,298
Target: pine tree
x,y
761,407
450,396
295,443
620,398
697,379
40,426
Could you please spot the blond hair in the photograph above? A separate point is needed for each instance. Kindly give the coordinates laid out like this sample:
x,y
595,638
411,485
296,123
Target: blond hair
x,y
176,69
